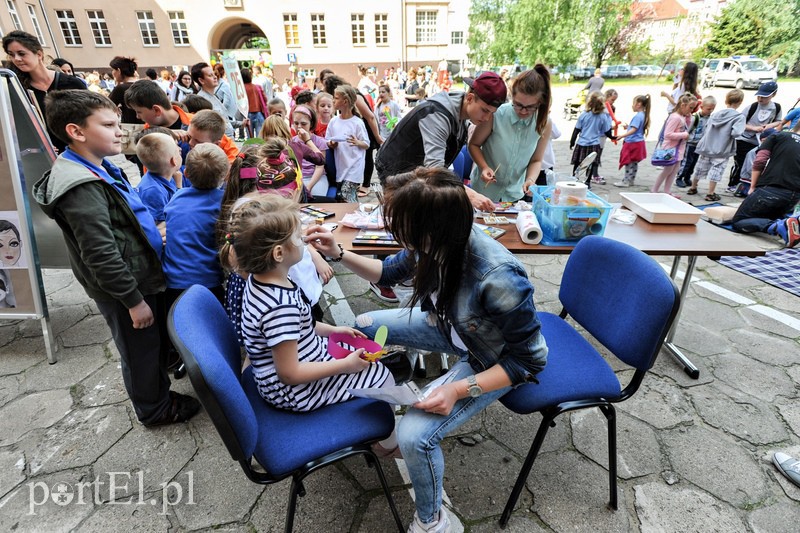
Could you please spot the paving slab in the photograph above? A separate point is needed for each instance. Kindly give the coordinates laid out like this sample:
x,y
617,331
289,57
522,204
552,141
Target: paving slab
x,y
769,349
779,518
717,465
659,403
131,517
638,450
103,387
90,330
12,470
10,388
755,378
78,439
34,411
20,354
739,414
661,508
83,361
762,322
517,431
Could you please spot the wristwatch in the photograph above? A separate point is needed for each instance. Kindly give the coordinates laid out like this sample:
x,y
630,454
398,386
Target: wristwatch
x,y
473,389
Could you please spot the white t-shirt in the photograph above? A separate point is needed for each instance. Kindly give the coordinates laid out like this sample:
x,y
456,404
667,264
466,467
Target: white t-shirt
x,y
350,160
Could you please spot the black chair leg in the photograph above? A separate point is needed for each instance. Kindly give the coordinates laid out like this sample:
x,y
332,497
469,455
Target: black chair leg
x,y
297,489
611,417
373,461
547,421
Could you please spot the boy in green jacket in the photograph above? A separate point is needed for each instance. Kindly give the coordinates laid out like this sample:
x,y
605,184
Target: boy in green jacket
x,y
114,247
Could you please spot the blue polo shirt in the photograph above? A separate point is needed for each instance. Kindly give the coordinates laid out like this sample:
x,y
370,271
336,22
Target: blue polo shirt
x,y
190,255
113,176
155,192
636,122
592,127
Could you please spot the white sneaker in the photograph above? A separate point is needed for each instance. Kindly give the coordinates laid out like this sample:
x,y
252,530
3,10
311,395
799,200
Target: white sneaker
x,y
442,525
621,184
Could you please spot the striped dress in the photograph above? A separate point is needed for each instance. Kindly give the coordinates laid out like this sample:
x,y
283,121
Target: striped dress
x,y
271,315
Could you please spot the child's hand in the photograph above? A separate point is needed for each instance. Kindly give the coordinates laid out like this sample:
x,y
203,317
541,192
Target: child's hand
x,y
354,363
353,141
347,330
181,135
664,94
303,134
141,315
332,144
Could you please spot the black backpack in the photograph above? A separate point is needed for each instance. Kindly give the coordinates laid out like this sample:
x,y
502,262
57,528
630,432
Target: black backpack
x,y
754,106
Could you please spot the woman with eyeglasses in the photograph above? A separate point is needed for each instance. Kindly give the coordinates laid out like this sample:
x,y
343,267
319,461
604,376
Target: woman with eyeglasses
x,y
508,150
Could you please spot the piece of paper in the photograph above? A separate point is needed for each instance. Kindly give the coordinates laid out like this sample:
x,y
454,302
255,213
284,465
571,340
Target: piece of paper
x,y
405,394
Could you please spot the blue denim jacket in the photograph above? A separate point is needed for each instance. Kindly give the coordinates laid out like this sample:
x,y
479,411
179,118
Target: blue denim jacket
x,y
493,312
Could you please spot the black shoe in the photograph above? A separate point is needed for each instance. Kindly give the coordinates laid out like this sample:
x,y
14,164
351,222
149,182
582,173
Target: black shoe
x,y
681,183
181,409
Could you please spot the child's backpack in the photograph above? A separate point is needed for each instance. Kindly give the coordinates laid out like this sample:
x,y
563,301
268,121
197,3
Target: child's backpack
x,y
754,106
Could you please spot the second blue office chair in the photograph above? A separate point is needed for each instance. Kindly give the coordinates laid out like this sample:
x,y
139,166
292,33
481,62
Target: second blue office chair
x,y
626,301
270,444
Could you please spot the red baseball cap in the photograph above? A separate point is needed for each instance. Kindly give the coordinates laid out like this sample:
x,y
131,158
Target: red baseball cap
x,y
489,87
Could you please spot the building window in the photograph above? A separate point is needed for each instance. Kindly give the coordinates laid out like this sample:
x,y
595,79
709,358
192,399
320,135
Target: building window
x,y
357,26
147,27
318,29
36,26
456,37
12,11
69,28
381,29
290,29
99,28
426,26
180,33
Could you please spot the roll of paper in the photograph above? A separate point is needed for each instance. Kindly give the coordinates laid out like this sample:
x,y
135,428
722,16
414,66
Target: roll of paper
x,y
528,227
569,193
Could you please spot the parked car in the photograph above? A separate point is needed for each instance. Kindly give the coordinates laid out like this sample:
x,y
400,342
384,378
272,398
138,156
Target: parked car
x,y
743,72
618,71
644,70
707,69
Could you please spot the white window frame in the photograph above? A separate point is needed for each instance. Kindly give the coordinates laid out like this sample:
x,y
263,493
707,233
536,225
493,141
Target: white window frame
x,y
291,30
180,31
381,29
36,26
358,31
69,27
319,35
14,14
147,28
99,27
457,34
426,26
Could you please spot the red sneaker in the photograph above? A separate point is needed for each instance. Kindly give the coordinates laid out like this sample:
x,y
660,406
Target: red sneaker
x,y
792,232
384,293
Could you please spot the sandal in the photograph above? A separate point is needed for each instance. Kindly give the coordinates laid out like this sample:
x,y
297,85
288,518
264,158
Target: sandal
x,y
713,197
692,190
362,194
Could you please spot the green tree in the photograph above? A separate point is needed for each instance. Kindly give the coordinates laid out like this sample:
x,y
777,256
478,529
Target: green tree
x,y
767,28
555,32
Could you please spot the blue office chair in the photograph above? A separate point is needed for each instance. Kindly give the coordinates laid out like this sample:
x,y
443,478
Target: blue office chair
x,y
283,443
467,168
458,165
626,301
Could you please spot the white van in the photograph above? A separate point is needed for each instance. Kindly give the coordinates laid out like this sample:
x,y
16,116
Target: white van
x,y
742,72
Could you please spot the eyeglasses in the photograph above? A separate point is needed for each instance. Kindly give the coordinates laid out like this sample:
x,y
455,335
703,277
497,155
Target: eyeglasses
x,y
524,108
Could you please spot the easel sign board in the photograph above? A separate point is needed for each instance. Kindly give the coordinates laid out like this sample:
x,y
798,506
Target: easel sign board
x,y
21,287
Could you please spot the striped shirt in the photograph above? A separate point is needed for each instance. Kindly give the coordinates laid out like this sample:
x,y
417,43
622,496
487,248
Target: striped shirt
x,y
272,314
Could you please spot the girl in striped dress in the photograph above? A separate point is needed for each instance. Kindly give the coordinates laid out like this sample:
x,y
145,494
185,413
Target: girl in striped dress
x,y
287,348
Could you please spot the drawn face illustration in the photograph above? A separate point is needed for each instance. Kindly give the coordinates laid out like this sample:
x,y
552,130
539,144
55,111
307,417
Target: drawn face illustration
x,y
9,248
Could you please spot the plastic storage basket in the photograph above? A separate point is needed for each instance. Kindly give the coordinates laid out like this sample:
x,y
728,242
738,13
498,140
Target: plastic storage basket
x,y
566,225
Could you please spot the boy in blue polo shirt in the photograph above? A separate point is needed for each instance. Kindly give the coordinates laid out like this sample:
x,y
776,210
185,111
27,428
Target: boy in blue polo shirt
x,y
161,155
114,247
190,254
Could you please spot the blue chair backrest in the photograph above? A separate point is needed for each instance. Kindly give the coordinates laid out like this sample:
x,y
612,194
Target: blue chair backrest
x,y
458,165
467,163
621,296
205,338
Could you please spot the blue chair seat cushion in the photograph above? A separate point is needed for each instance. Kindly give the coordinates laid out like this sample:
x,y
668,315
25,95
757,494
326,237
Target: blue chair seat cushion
x,y
574,371
288,440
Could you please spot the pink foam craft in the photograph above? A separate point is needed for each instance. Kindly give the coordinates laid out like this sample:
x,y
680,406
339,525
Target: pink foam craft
x,y
337,351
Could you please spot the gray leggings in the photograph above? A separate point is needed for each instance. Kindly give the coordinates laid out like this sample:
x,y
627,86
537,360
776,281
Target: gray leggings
x,y
630,171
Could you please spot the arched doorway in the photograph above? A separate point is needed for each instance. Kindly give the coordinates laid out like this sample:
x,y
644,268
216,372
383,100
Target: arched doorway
x,y
241,38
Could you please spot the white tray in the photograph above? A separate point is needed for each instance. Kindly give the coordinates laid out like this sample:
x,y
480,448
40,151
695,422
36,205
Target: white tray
x,y
660,208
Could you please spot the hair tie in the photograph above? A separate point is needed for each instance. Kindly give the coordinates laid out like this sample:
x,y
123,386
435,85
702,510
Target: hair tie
x,y
242,154
248,173
229,238
277,160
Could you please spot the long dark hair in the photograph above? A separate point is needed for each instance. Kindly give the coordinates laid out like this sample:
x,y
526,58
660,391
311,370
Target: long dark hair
x,y
28,41
689,79
536,82
431,215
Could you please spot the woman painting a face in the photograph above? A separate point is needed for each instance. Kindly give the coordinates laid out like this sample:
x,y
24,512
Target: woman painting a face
x,y
10,244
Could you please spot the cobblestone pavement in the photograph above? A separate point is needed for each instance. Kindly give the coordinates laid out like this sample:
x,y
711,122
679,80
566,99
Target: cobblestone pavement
x,y
694,455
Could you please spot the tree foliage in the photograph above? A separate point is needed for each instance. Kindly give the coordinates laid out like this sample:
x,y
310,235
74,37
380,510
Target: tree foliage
x,y
555,32
767,28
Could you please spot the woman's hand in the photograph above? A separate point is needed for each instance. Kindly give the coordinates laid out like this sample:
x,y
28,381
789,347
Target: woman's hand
x,y
527,185
487,176
322,240
440,401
